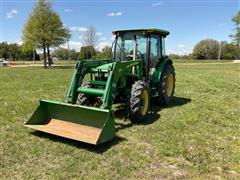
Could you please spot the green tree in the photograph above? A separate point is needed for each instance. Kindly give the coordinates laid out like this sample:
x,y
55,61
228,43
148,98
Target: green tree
x,y
87,52
174,56
74,55
236,35
182,57
4,50
206,49
13,51
106,53
16,52
9,51
230,51
44,29
62,53
28,52
57,34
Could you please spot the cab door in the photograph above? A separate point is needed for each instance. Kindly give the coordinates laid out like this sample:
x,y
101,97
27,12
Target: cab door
x,y
155,52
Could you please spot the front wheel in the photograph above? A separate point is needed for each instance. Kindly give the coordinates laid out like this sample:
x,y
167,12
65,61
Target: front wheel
x,y
84,99
166,85
139,102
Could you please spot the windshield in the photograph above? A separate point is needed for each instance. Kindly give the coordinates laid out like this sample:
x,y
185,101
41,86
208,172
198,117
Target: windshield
x,y
130,47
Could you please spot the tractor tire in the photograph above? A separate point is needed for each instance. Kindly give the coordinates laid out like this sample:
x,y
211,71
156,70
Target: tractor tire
x,y
166,85
83,99
139,102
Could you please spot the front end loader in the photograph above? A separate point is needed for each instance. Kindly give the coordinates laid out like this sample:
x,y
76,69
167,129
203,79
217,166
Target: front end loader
x,y
138,71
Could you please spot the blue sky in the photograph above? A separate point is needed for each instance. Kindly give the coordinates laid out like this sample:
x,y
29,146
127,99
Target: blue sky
x,y
188,21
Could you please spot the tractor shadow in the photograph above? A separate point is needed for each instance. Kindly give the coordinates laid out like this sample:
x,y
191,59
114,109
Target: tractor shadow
x,y
99,149
121,112
178,101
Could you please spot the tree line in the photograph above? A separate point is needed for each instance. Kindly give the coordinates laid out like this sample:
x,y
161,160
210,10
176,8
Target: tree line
x,y
17,52
86,52
211,49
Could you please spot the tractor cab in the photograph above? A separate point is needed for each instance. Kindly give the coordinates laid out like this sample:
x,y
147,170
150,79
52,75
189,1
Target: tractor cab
x,y
147,45
139,44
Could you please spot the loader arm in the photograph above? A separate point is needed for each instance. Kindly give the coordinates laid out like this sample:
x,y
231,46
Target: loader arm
x,y
82,68
119,69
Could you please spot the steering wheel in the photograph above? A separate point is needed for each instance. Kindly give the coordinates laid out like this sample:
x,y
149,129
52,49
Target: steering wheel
x,y
130,55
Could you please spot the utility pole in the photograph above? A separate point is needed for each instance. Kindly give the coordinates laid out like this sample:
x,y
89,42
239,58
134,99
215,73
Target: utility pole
x,y
219,51
221,45
34,55
68,50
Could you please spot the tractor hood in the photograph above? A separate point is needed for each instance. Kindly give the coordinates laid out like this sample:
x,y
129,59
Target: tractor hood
x,y
104,67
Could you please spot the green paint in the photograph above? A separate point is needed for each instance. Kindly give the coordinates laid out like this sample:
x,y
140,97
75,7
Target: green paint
x,y
101,83
91,91
82,115
157,74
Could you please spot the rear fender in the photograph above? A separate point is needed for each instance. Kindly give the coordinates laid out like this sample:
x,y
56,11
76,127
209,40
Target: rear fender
x,y
159,69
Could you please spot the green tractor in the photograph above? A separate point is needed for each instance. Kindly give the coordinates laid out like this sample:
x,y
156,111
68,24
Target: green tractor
x,y
138,72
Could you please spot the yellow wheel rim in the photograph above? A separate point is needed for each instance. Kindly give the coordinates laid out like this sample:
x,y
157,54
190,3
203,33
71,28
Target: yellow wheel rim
x,y
170,81
145,102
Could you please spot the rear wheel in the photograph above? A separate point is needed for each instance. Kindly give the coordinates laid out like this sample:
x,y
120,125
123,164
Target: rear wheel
x,y
139,102
84,99
166,85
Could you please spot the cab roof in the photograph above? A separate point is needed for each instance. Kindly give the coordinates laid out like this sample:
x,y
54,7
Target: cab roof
x,y
147,30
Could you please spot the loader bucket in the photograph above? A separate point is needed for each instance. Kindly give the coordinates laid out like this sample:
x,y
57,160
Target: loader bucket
x,y
87,124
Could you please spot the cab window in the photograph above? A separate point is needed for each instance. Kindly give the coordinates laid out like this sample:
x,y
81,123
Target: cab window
x,y
154,51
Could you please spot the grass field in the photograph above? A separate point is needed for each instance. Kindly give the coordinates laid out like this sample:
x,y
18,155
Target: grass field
x,y
197,136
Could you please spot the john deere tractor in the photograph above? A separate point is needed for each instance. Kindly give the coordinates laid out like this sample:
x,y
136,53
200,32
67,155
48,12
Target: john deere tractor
x,y
138,71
